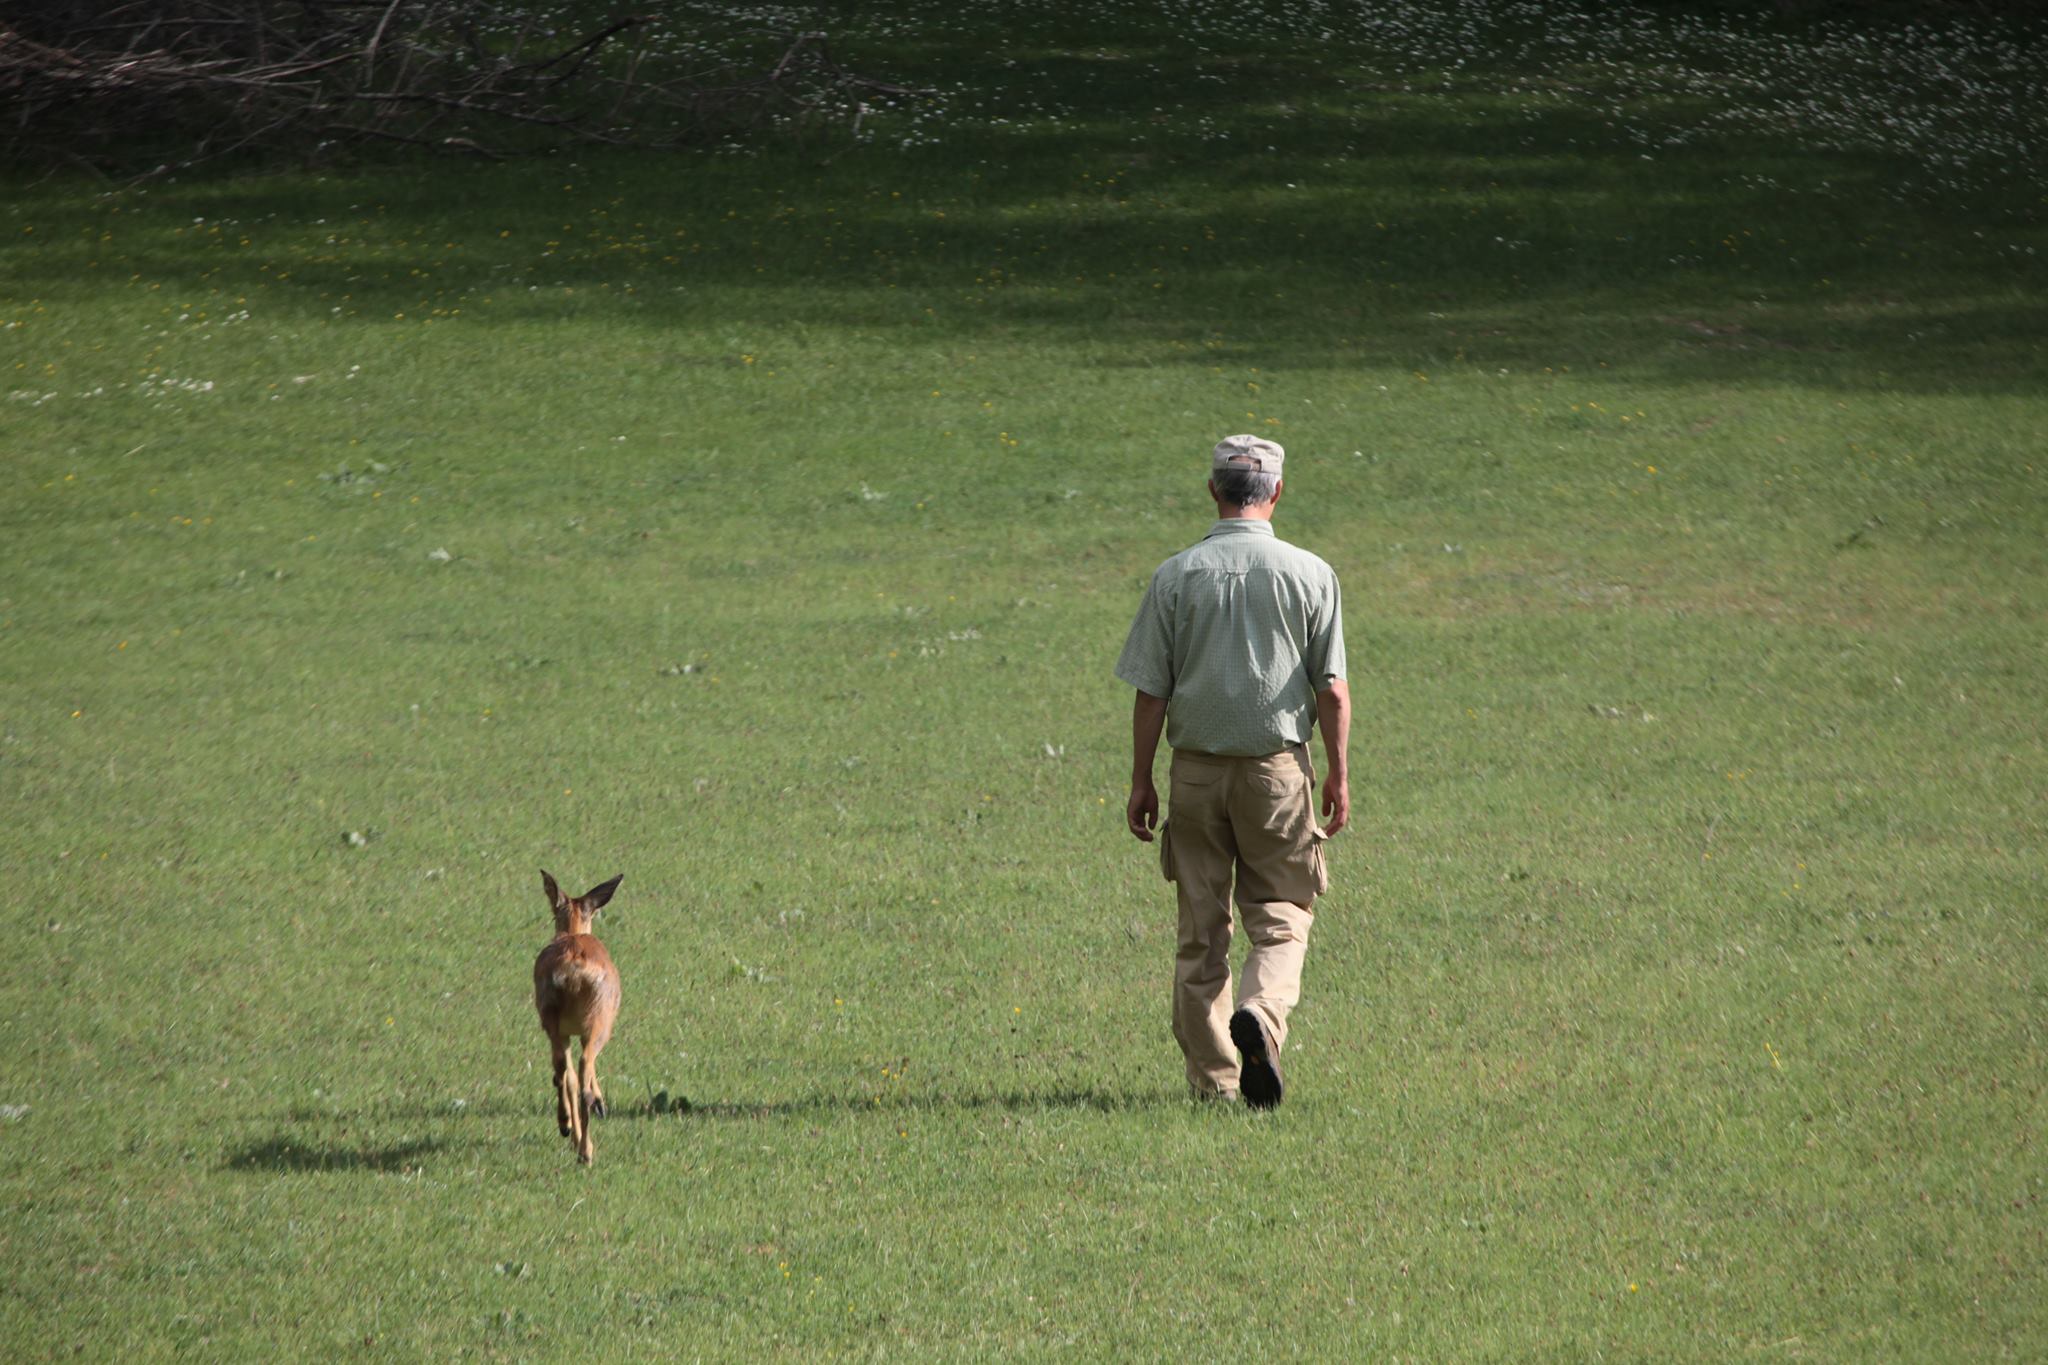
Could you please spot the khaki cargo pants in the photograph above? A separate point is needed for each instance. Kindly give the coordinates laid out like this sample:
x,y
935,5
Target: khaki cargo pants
x,y
1255,818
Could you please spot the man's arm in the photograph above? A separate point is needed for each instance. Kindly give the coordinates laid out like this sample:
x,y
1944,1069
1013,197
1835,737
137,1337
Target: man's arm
x,y
1148,718
1333,714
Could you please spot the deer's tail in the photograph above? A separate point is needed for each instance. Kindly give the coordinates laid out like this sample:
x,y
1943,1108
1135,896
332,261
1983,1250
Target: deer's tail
x,y
575,973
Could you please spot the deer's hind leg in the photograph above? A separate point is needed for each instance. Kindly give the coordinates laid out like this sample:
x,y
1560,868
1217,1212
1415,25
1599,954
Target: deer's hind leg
x,y
573,1103
589,1100
593,1093
565,1081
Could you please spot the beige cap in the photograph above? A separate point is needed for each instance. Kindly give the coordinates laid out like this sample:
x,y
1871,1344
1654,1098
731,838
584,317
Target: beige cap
x,y
1248,452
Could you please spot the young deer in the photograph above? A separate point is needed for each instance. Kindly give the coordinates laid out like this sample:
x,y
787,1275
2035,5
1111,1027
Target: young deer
x,y
576,991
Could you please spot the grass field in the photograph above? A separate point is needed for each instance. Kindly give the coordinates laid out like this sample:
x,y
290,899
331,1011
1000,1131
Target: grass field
x,y
764,524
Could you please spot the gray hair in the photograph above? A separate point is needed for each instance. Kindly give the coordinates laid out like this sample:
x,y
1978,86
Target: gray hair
x,y
1244,486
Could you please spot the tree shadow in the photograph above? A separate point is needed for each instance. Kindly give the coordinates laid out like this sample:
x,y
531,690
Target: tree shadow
x,y
1354,224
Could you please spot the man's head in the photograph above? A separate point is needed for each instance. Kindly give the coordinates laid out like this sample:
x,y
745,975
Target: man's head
x,y
1244,473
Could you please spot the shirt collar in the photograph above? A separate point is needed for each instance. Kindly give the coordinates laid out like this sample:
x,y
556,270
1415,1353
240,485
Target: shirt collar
x,y
1240,526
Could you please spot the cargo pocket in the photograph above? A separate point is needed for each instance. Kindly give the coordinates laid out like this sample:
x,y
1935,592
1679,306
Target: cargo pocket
x,y
1319,860
1166,849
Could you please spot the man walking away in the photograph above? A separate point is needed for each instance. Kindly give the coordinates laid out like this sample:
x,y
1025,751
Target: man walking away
x,y
1237,652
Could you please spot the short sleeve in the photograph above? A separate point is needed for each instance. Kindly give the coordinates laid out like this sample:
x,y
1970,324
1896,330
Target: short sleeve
x,y
1325,656
1147,660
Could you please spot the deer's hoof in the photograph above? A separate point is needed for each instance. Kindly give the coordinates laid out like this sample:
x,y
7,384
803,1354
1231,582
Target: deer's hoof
x,y
597,1107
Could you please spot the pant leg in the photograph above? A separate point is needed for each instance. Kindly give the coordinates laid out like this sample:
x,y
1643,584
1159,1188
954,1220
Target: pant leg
x,y
1271,985
1279,874
1200,855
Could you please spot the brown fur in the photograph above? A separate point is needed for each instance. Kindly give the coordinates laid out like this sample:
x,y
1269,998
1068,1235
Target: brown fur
x,y
576,993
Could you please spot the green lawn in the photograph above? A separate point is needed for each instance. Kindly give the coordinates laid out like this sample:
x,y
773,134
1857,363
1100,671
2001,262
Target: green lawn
x,y
763,524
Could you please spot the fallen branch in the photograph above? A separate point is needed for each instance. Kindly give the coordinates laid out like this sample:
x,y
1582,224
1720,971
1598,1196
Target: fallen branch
x,y
202,78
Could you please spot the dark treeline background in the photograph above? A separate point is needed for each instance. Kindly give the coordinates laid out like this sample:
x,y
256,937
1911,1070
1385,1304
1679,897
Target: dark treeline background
x,y
1875,11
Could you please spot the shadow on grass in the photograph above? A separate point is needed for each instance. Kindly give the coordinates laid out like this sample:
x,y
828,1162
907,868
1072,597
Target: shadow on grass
x,y
541,1110
287,1153
295,1152
1015,1102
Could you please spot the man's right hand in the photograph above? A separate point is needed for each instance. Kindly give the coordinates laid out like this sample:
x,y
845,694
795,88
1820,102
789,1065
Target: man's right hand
x,y
1141,812
1336,804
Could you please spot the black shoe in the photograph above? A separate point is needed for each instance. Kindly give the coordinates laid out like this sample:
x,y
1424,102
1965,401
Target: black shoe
x,y
1258,1069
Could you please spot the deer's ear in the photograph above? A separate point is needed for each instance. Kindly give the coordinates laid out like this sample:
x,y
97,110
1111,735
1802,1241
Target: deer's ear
x,y
596,896
556,900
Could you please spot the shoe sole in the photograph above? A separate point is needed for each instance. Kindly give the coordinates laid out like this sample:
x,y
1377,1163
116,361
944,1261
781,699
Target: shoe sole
x,y
1258,1071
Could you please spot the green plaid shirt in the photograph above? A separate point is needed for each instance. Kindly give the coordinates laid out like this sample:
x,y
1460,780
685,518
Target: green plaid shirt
x,y
1238,633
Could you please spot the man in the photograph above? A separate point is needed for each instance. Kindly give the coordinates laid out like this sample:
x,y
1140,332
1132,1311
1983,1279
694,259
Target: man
x,y
1237,650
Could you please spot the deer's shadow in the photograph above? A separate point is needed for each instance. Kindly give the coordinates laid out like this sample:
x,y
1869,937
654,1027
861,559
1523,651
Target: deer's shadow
x,y
286,1152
